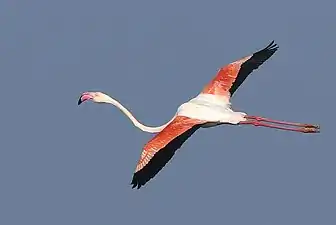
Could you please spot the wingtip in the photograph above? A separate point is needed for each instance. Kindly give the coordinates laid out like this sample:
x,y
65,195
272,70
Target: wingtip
x,y
272,46
135,183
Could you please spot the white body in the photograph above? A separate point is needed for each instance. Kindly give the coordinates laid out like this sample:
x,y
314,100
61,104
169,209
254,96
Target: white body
x,y
211,108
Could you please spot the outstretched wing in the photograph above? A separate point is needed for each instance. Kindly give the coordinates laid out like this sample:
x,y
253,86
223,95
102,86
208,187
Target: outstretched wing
x,y
159,150
231,76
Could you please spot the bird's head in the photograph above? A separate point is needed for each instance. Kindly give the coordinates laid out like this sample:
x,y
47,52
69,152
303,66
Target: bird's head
x,y
97,97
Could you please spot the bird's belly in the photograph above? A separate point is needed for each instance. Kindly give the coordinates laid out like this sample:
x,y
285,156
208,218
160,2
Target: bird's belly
x,y
210,113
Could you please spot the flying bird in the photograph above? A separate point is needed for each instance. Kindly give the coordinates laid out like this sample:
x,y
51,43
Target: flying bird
x,y
211,107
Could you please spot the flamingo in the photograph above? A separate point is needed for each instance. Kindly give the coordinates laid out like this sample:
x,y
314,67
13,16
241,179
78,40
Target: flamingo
x,y
211,107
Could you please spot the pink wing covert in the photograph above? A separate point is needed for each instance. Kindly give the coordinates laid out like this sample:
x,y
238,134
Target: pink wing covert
x,y
231,76
160,149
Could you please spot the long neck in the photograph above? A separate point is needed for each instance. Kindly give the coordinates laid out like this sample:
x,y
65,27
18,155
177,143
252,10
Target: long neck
x,y
134,120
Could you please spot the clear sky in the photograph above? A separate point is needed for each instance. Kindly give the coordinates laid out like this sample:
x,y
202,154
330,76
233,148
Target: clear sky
x,y
64,164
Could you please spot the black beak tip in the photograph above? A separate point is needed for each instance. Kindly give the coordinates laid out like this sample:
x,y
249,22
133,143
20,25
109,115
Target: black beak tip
x,y
79,101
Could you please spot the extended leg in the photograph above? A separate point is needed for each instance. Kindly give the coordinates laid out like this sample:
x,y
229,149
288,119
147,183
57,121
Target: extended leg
x,y
306,129
258,118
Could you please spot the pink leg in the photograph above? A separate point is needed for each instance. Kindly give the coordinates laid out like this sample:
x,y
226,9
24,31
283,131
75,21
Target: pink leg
x,y
258,118
301,129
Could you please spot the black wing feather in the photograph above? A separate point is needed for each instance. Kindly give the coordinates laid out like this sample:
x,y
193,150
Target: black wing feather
x,y
257,59
161,158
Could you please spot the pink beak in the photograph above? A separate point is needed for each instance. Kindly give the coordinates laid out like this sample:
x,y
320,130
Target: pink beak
x,y
84,97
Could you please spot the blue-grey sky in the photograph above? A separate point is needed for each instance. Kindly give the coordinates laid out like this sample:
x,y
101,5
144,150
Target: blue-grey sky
x,y
64,164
